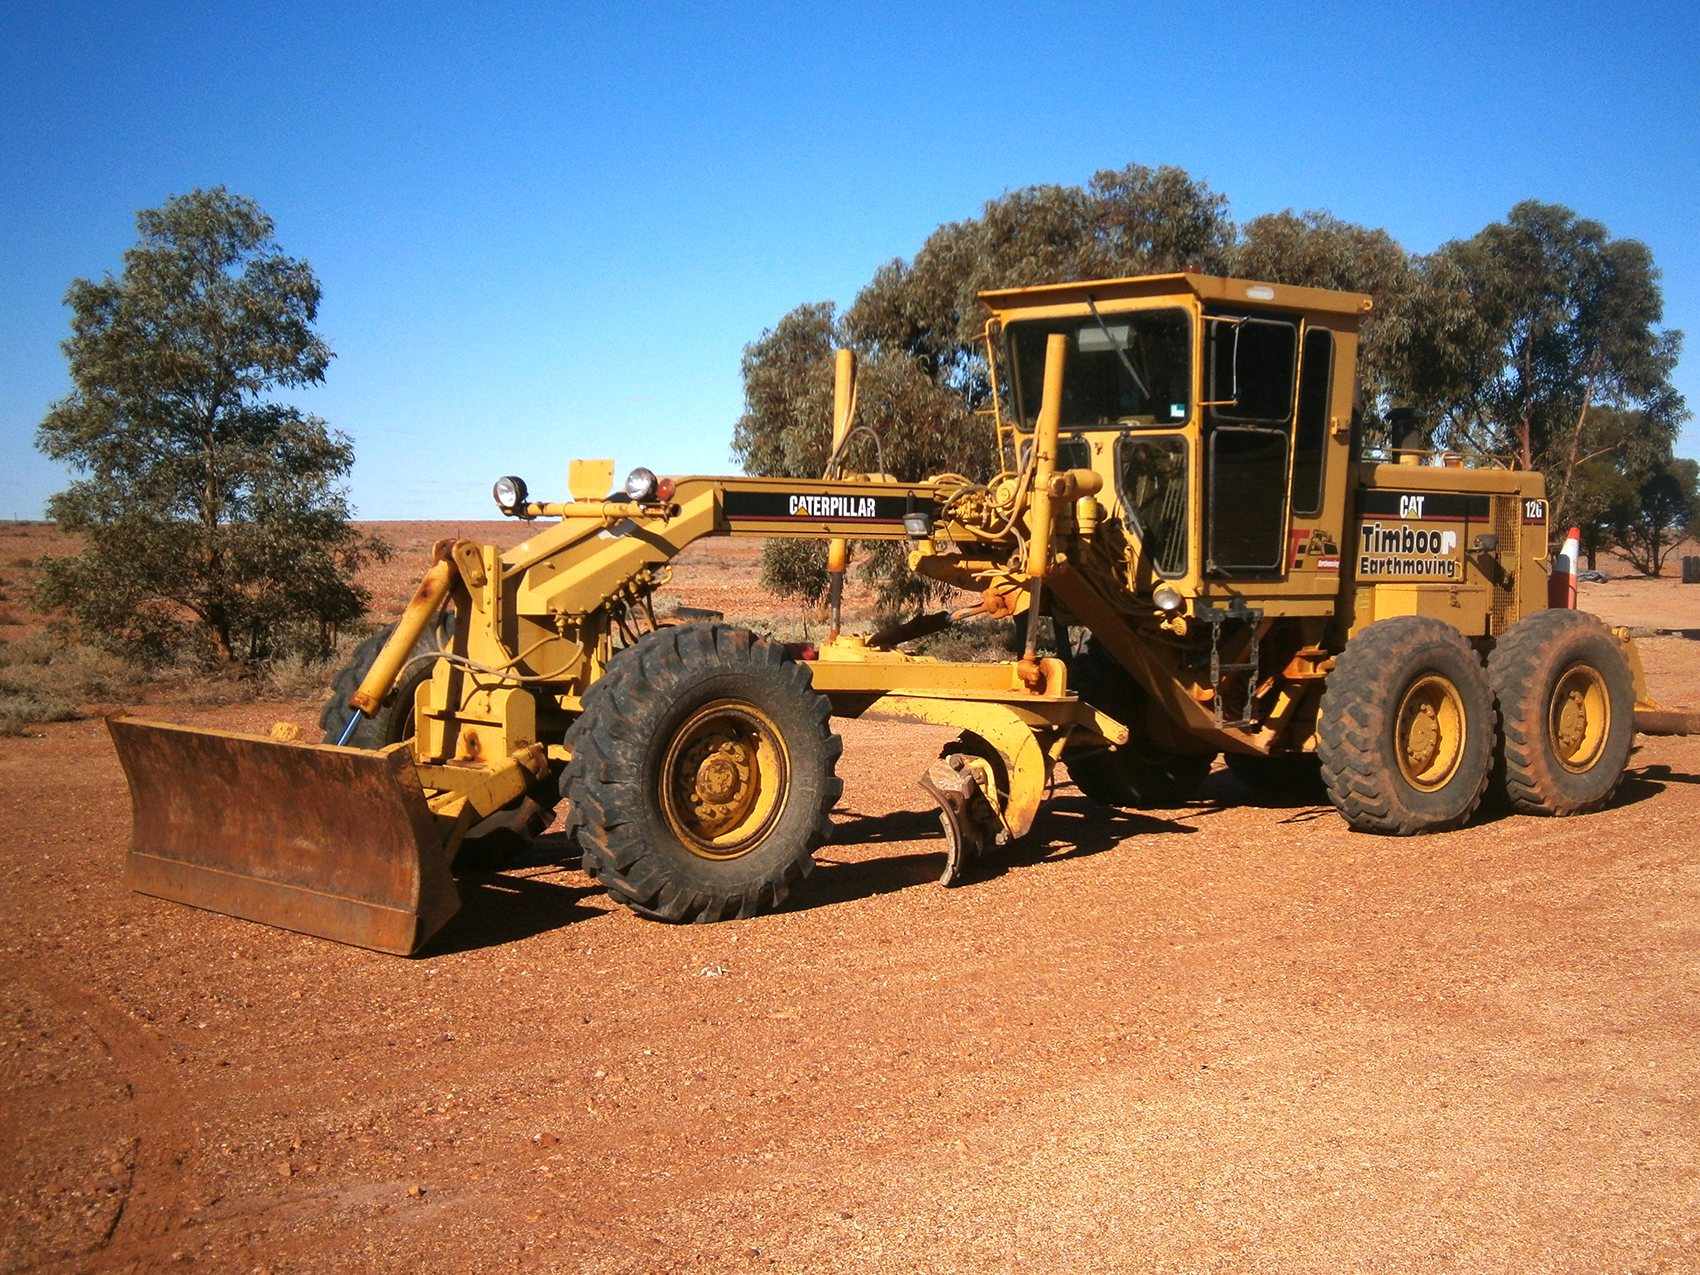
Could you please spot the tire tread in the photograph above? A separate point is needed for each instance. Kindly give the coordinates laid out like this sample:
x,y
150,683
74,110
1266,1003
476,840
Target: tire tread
x,y
1361,783
1518,670
604,780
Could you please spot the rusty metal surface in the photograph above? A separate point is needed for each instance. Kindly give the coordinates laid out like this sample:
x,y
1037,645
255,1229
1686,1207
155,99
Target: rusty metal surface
x,y
1666,721
334,842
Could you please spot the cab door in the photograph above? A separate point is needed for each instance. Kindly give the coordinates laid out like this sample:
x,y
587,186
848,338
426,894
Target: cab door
x,y
1313,539
1250,380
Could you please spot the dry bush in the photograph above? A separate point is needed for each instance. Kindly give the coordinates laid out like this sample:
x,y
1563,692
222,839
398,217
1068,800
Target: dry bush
x,y
296,678
978,640
21,709
785,628
45,681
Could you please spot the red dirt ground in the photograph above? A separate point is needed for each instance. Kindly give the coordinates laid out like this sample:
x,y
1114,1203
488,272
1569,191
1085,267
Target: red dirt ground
x,y
1227,1037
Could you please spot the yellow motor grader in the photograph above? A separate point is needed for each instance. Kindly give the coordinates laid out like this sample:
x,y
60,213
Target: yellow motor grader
x,y
1182,494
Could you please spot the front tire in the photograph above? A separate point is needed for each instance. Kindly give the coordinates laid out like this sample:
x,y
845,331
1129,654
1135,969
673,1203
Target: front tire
x,y
1566,704
702,775
1407,728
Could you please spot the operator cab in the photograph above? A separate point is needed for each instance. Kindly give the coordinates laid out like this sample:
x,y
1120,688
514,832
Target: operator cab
x,y
1184,392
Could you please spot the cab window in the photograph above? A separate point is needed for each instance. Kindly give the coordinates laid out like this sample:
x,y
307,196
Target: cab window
x,y
1310,434
1250,375
1126,369
1151,482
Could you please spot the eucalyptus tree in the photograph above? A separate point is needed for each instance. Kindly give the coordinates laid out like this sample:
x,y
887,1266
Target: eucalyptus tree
x,y
211,514
1540,337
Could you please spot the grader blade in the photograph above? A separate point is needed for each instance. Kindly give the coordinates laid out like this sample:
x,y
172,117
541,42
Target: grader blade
x,y
333,842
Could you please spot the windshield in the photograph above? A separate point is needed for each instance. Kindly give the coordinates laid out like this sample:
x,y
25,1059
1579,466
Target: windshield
x,y
1125,369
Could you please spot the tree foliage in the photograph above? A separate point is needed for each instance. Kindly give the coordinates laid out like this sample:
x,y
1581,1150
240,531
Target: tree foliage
x,y
1658,513
915,325
917,427
210,513
1317,250
1537,338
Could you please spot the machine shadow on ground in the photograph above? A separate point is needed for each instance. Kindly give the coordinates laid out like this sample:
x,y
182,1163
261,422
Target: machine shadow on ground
x,y
500,908
1225,790
841,881
1073,827
1639,785
1652,776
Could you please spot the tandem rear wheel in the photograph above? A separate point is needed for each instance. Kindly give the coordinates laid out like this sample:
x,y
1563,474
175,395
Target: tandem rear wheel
x,y
1566,708
1406,735
702,775
1135,774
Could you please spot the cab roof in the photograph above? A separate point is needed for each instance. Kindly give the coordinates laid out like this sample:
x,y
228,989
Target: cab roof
x,y
1006,302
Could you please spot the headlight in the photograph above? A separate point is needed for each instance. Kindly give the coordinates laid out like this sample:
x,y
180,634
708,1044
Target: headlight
x,y
640,484
509,492
1168,599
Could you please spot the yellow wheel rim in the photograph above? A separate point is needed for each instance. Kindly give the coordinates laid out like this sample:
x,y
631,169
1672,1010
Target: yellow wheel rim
x,y
1579,718
1429,733
723,779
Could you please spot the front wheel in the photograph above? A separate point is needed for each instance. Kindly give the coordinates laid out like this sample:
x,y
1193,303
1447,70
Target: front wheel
x,y
1407,728
1566,709
702,775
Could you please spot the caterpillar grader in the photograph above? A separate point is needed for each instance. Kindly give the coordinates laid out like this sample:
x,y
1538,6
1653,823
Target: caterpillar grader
x,y
1183,493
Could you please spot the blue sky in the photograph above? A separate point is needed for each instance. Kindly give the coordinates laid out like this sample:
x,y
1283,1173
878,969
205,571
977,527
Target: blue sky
x,y
549,232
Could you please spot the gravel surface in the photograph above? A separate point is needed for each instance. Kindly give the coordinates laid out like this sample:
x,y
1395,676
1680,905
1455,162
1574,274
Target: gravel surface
x,y
1231,1036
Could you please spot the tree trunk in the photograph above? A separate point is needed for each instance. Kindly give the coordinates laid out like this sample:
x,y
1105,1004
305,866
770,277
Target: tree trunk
x,y
1562,504
1524,428
218,621
218,625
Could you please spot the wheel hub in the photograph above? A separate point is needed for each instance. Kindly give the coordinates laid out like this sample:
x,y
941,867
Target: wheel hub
x,y
722,785
1429,732
1580,718
723,779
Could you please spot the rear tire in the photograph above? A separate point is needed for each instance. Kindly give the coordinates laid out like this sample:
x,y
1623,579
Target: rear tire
x,y
1566,703
1283,775
393,722
702,775
1407,728
1134,774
